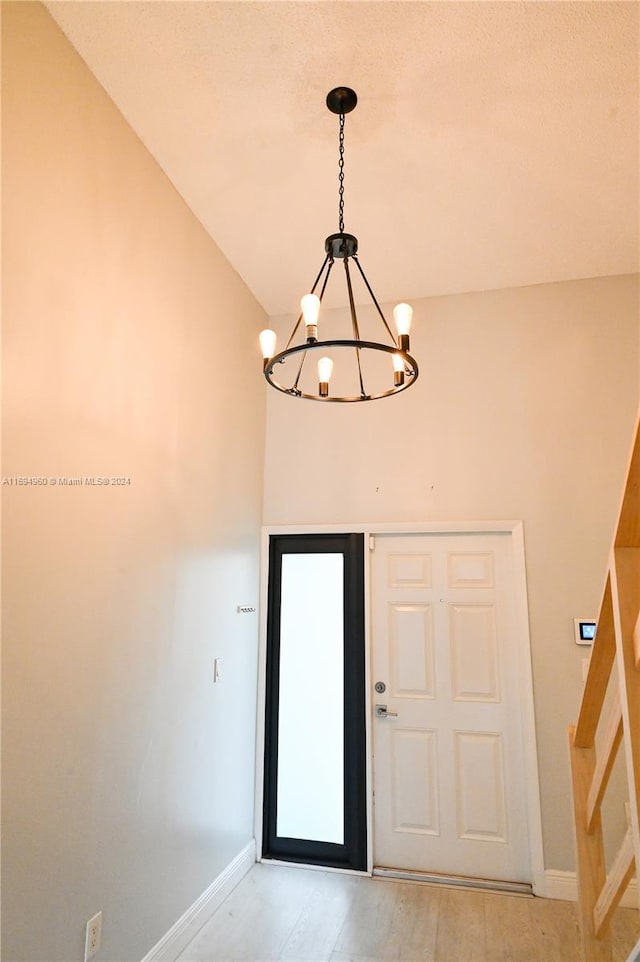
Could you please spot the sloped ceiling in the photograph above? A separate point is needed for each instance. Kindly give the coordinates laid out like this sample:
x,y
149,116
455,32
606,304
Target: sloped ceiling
x,y
493,145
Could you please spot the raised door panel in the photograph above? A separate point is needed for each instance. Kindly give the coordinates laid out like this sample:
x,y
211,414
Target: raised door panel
x,y
481,801
474,653
470,569
409,570
414,782
411,651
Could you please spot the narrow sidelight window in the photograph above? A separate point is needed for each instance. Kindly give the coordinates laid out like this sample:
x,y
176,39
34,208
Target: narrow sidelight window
x,y
314,788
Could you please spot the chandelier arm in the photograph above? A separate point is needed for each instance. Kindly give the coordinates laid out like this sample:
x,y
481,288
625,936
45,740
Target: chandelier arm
x,y
315,284
326,278
294,386
373,298
293,332
352,306
354,322
362,390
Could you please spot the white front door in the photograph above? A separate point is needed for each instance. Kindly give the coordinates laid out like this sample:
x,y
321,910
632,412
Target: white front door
x,y
449,774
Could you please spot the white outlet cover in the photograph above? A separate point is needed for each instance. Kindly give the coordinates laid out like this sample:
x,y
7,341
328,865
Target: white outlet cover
x,y
93,936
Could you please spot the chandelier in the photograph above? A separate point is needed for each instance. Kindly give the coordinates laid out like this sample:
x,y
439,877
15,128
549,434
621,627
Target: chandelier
x,y
351,368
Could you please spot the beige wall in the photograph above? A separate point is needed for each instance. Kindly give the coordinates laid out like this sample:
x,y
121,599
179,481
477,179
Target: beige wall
x,y
127,777
129,350
524,409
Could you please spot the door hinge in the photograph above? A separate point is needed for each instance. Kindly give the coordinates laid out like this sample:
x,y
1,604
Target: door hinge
x,y
372,543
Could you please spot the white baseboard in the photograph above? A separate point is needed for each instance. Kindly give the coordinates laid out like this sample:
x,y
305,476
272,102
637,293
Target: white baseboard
x,y
564,886
180,934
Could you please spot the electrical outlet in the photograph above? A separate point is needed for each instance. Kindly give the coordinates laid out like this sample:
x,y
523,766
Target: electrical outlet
x,y
93,936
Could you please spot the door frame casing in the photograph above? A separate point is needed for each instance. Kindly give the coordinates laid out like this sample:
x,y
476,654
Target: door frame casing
x,y
525,675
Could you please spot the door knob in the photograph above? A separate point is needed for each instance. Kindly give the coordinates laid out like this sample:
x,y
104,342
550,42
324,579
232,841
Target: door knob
x,y
381,712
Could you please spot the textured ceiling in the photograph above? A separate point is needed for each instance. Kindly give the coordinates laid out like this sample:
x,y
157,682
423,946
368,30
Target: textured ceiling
x,y
494,144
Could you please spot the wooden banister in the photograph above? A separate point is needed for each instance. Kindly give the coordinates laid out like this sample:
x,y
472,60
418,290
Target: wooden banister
x,y
613,889
606,758
600,665
616,650
592,873
628,531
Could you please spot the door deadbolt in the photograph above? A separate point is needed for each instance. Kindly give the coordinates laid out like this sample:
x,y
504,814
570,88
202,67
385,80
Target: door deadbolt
x,y
380,687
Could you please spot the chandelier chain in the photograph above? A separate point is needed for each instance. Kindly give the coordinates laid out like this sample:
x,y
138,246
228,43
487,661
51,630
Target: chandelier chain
x,y
341,177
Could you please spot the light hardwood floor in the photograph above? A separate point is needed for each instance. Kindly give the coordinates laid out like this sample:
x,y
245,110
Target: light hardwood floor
x,y
282,913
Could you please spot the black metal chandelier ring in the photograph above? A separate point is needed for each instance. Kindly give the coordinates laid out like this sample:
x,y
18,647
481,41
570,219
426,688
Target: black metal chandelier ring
x,y
410,371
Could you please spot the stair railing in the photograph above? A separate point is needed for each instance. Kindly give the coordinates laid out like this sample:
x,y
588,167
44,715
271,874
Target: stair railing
x,y
616,650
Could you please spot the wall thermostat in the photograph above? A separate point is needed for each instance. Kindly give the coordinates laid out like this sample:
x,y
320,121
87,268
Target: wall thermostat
x,y
584,630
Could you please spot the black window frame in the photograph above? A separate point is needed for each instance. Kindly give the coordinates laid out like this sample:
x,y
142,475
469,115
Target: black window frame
x,y
353,853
